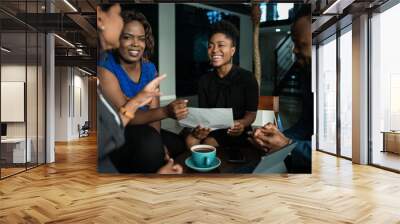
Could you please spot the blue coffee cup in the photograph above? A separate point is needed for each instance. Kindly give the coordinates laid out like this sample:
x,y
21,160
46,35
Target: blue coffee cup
x,y
203,156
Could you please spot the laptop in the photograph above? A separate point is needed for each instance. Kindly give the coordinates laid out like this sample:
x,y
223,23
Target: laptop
x,y
274,162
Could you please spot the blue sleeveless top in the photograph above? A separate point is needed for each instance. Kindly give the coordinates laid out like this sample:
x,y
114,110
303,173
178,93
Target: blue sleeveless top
x,y
127,85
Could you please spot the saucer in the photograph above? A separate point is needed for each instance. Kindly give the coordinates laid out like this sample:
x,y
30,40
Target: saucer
x,y
191,165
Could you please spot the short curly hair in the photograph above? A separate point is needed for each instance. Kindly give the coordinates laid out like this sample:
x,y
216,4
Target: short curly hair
x,y
226,28
131,15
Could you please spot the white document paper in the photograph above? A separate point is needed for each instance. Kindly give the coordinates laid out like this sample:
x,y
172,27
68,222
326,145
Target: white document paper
x,y
213,118
263,117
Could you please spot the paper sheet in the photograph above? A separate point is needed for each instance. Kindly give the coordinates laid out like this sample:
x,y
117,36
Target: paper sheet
x,y
213,118
263,117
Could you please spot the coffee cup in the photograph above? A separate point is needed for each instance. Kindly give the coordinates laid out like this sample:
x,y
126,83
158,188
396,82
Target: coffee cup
x,y
203,156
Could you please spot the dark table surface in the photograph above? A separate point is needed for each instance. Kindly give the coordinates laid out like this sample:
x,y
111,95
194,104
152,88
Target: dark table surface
x,y
252,156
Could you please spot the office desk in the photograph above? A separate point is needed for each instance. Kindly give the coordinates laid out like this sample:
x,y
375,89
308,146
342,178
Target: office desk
x,y
13,150
391,141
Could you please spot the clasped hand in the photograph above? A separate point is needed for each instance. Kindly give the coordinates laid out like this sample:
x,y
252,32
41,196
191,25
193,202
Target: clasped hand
x,y
269,138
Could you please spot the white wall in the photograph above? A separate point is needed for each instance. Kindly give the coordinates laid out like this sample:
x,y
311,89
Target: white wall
x,y
71,93
16,73
34,124
166,46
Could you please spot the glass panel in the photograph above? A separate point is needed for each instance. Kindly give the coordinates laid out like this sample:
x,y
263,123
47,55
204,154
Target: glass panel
x,y
32,85
13,86
274,11
31,98
385,84
41,99
346,94
327,96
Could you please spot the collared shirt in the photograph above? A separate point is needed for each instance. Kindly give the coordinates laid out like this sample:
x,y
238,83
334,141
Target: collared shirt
x,y
237,90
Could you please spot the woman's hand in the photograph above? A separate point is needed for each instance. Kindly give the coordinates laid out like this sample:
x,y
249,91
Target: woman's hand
x,y
177,109
145,96
201,132
237,129
170,168
154,84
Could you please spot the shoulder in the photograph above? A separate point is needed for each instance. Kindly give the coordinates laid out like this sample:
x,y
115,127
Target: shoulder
x,y
206,78
148,65
245,75
106,60
149,68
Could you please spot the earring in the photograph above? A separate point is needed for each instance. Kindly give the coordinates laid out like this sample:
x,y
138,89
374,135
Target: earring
x,y
102,28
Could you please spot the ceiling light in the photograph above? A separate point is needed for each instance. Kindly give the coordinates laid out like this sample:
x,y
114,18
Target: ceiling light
x,y
65,41
337,7
70,5
5,50
277,30
326,11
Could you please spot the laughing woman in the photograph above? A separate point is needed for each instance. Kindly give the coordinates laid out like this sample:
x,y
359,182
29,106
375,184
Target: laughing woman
x,y
127,71
226,86
111,121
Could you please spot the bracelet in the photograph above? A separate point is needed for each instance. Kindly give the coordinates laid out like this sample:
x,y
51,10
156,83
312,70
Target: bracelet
x,y
126,113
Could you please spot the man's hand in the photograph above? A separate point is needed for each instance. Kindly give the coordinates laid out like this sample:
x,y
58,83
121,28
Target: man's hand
x,y
237,129
170,168
269,138
201,132
177,109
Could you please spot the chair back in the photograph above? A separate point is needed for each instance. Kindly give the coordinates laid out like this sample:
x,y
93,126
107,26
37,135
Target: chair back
x,y
268,103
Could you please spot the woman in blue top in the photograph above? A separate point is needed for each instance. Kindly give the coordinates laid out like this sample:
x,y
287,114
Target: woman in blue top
x,y
127,70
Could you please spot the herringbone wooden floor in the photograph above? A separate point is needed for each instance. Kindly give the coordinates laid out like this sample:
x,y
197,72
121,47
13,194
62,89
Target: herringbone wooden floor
x,y
71,191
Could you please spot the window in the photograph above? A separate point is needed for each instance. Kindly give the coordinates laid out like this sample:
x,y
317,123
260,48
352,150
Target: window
x,y
385,88
274,11
346,94
327,96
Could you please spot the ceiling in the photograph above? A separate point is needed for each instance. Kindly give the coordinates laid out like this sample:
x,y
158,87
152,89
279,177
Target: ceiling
x,y
21,20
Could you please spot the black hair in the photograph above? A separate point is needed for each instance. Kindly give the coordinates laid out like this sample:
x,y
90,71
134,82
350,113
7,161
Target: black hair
x,y
131,15
106,7
303,11
226,28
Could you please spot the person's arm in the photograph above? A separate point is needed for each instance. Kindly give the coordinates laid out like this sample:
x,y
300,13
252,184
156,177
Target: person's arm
x,y
176,109
110,87
251,98
196,136
155,103
201,93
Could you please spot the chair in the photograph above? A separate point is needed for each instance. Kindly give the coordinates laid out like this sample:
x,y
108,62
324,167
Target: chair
x,y
270,103
84,130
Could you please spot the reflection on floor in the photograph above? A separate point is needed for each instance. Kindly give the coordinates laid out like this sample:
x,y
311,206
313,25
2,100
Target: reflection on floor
x,y
9,170
71,191
386,159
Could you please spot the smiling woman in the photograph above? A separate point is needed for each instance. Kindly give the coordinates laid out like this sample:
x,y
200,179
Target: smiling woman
x,y
227,86
125,72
